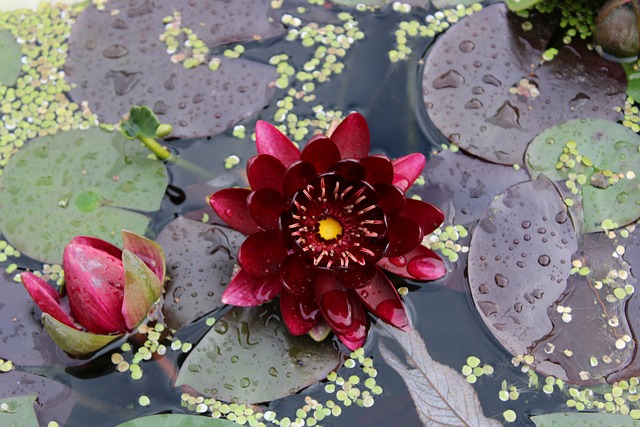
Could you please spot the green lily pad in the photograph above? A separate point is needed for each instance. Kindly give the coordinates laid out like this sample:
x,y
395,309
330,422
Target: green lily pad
x,y
10,54
250,357
177,420
18,411
576,419
77,183
633,80
517,5
600,159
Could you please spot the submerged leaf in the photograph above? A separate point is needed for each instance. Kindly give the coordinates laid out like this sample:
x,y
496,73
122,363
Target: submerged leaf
x,y
485,87
519,261
598,158
250,357
442,396
44,188
177,420
18,411
577,419
200,260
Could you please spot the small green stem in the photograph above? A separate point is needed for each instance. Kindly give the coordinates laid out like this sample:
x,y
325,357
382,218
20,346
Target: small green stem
x,y
163,154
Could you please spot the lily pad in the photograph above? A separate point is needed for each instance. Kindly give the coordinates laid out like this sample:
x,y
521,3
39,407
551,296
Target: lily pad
x,y
492,97
117,60
519,261
249,357
17,411
200,259
55,401
576,419
600,159
464,186
517,5
177,420
593,301
77,183
10,54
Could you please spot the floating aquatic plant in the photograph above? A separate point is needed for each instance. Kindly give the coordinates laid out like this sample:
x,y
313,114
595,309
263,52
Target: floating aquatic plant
x,y
323,224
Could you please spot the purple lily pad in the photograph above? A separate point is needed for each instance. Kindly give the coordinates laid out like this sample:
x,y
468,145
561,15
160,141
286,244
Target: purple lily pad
x,y
463,186
117,60
519,261
475,93
581,349
55,401
23,339
200,259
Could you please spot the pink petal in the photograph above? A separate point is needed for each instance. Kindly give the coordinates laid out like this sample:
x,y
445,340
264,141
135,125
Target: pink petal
x,y
231,206
100,244
321,152
246,290
352,137
378,169
381,298
46,298
299,312
404,235
261,253
265,170
95,288
147,250
265,206
297,177
407,169
269,140
419,264
426,215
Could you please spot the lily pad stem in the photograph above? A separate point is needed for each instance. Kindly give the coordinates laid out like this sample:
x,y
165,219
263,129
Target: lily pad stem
x,y
162,153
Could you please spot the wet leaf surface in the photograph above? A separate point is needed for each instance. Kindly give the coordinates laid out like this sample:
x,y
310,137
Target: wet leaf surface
x,y
200,259
589,320
600,159
463,185
177,420
10,54
47,196
18,411
475,94
442,396
576,419
249,356
519,261
22,336
55,401
117,60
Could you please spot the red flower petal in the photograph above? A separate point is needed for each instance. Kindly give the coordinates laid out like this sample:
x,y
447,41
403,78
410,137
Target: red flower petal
x,y
95,287
427,216
407,169
390,198
356,335
297,177
261,253
299,312
269,140
349,169
246,290
419,264
321,152
404,235
333,299
46,298
265,206
357,276
265,170
378,169
231,206
352,137
381,298
297,274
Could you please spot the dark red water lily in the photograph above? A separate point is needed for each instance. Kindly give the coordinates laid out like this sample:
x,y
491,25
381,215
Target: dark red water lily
x,y
323,224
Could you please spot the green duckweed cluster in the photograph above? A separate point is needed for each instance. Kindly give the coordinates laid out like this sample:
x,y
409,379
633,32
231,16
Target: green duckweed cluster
x,y
630,115
445,240
433,25
6,365
472,370
183,44
577,18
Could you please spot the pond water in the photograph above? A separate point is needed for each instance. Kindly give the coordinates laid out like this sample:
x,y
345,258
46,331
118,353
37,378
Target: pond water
x,y
389,94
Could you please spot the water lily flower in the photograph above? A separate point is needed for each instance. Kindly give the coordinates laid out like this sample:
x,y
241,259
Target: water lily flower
x,y
109,291
323,224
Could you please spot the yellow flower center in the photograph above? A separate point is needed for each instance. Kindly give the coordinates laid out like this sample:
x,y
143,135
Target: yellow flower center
x,y
329,228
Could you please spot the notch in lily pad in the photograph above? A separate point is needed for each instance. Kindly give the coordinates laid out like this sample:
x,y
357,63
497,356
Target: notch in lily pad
x,y
143,124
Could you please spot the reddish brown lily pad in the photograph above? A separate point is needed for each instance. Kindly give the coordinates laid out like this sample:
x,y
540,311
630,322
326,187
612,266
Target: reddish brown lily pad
x,y
466,84
581,349
463,185
519,261
200,260
117,60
